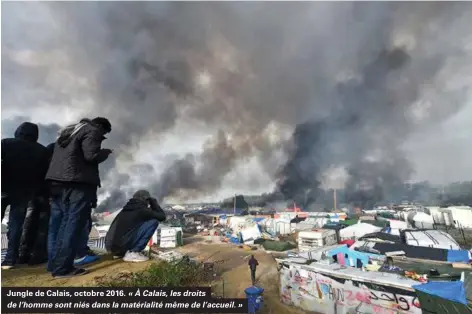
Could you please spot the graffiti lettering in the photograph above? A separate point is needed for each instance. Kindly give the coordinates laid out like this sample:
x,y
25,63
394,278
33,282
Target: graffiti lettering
x,y
400,301
334,294
314,291
416,303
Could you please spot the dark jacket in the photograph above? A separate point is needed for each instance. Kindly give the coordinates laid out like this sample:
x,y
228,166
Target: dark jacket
x,y
77,154
123,228
24,161
44,188
253,263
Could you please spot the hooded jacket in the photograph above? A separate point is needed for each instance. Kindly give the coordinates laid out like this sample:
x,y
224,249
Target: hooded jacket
x,y
253,263
24,161
122,231
77,154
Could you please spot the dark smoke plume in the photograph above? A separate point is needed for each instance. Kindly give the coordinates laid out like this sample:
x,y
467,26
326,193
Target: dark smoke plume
x,y
363,105
356,80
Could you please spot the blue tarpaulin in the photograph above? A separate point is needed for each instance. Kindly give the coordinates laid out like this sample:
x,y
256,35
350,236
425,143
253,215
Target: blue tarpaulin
x,y
363,257
234,240
449,290
258,219
458,256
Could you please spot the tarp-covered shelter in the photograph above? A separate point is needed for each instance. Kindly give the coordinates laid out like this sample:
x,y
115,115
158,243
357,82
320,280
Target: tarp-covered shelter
x,y
462,256
381,237
278,246
446,297
357,230
430,238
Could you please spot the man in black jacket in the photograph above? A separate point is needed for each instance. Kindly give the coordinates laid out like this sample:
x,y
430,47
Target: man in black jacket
x,y
33,246
133,227
24,164
253,263
74,177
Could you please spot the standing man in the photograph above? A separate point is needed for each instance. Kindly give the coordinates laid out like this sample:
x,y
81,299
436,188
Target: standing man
x,y
74,177
253,263
33,246
24,164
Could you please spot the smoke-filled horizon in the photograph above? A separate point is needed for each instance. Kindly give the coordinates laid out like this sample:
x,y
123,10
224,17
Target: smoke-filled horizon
x,y
208,99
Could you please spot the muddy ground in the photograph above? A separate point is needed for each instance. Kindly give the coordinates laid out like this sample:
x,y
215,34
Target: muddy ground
x,y
232,273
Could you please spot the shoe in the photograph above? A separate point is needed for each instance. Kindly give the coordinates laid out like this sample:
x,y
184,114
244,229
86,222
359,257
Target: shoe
x,y
118,256
135,257
90,252
7,265
76,272
87,259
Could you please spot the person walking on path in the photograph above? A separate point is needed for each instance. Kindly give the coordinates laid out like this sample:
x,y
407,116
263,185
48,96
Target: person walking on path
x,y
253,263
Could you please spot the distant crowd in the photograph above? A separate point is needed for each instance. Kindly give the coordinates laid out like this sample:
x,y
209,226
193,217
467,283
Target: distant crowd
x,y
51,192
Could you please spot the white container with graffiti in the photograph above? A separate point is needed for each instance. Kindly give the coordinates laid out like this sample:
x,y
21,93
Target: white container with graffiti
x,y
332,289
308,240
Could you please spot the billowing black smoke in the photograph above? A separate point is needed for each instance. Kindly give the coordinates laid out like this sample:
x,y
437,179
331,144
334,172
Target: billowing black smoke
x,y
228,83
365,107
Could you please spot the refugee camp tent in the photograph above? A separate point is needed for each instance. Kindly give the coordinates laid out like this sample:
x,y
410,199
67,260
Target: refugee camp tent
x,y
357,230
446,297
311,222
430,238
461,256
420,220
277,245
381,237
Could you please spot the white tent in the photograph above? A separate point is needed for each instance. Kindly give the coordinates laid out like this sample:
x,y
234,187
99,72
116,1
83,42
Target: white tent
x,y
431,238
420,220
358,230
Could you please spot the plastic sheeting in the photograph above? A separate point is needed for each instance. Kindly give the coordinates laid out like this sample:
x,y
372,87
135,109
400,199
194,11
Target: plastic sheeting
x,y
431,238
351,257
357,230
449,290
458,256
251,233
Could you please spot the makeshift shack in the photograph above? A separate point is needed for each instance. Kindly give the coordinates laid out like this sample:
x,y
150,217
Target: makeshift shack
x,y
308,240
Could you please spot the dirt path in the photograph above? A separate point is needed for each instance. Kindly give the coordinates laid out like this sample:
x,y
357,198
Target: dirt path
x,y
236,275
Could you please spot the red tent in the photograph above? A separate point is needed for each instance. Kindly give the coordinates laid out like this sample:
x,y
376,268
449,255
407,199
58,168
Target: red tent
x,y
348,242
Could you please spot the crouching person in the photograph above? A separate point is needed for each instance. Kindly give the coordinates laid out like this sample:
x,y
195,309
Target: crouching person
x,y
133,227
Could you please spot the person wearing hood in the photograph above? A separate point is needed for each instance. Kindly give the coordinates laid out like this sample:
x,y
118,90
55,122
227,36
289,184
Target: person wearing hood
x,y
24,165
74,177
133,227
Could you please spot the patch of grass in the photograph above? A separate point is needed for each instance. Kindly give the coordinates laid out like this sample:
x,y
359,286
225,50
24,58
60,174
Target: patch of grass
x,y
162,274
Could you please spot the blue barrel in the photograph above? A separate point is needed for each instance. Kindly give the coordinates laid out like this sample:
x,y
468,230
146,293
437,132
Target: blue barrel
x,y
254,298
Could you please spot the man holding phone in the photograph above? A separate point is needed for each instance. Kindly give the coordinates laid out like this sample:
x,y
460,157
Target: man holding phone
x,y
133,227
74,178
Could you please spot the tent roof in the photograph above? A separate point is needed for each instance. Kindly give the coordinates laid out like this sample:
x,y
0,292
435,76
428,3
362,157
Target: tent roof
x,y
449,290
